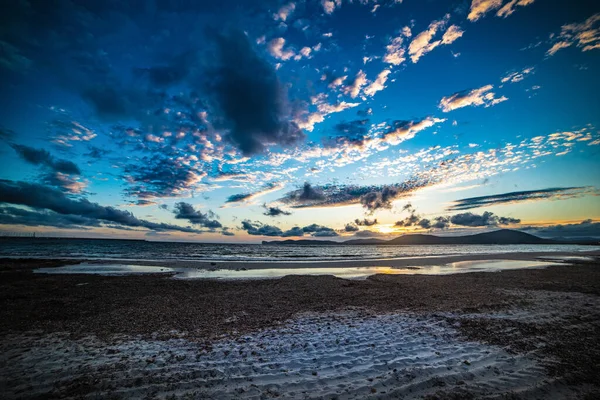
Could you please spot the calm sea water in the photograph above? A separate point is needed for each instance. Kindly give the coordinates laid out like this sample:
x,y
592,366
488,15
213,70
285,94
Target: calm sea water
x,y
140,250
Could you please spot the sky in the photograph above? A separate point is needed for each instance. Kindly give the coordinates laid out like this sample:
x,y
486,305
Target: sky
x,y
243,121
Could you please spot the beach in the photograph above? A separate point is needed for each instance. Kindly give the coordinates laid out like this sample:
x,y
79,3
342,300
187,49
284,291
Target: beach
x,y
525,333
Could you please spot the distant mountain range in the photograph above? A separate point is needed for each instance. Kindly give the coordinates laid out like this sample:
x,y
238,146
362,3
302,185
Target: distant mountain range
x,y
502,236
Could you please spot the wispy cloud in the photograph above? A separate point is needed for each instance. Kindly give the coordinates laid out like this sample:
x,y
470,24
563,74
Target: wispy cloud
x,y
482,96
423,43
481,7
522,196
372,198
585,35
585,228
248,197
517,76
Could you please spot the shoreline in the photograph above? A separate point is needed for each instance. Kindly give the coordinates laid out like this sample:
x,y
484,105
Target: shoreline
x,y
401,262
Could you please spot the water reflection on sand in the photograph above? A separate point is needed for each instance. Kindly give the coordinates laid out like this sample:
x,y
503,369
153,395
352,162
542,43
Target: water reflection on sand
x,y
271,273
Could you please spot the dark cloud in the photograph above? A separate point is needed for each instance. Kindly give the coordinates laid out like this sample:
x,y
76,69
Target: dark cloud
x,y
239,197
46,198
161,177
351,228
186,211
174,71
371,197
306,194
415,220
586,228
327,233
295,231
6,134
356,129
257,228
249,96
365,113
142,202
319,230
516,197
436,223
485,219
44,158
412,220
272,211
97,152
348,133
381,198
20,216
365,222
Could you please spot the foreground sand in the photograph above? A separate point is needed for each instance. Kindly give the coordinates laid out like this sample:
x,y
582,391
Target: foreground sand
x,y
522,333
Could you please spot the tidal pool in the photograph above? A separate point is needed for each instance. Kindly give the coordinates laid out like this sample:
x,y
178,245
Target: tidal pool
x,y
273,273
105,269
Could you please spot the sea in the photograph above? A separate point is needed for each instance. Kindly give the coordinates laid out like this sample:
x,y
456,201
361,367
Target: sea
x,y
158,251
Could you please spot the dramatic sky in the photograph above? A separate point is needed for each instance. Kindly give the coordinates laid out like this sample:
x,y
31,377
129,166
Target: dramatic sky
x,y
239,121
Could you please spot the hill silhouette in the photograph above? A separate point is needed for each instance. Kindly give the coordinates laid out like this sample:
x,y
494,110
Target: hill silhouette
x,y
501,236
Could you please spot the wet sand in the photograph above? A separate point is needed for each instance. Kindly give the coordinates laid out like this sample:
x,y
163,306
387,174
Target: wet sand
x,y
521,333
388,262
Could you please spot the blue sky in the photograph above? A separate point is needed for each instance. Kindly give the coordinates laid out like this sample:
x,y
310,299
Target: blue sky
x,y
241,121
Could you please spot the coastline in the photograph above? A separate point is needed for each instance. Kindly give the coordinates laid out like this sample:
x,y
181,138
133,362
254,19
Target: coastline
x,y
401,262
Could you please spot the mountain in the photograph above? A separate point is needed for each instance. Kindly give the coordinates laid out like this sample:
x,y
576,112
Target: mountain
x,y
502,236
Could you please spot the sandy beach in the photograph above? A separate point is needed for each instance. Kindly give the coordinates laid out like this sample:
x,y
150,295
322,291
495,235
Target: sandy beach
x,y
400,262
518,333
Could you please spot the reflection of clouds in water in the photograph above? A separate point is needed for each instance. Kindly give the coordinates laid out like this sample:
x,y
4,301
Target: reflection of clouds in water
x,y
272,273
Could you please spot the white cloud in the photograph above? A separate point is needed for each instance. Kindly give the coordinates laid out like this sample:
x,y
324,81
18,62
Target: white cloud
x,y
408,129
423,43
329,6
354,88
284,12
276,49
481,7
453,33
482,96
509,7
517,76
558,46
323,110
304,52
378,84
337,81
395,52
585,35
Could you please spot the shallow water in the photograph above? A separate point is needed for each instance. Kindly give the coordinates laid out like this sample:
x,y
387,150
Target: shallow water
x,y
272,273
106,269
160,251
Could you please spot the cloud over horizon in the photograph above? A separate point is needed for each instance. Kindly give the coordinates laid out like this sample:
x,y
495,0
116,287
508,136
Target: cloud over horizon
x,y
522,196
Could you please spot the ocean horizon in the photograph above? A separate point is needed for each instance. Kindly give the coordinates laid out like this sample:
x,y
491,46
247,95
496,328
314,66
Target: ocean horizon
x,y
185,251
